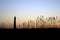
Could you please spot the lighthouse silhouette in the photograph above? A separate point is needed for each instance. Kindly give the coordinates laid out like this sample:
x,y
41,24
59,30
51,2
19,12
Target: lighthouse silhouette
x,y
14,22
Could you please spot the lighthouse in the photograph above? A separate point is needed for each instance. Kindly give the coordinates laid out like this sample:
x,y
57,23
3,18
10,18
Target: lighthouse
x,y
14,22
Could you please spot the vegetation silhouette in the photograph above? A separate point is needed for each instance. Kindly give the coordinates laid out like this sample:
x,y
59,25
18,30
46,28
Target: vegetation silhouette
x,y
40,22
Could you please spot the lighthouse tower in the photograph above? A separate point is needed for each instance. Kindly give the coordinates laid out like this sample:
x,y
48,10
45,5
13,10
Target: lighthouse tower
x,y
14,22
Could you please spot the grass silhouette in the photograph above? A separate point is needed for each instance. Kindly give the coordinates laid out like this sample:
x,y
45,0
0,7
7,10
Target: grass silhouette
x,y
40,22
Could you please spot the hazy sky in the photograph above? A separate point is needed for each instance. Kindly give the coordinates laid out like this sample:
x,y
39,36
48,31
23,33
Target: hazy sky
x,y
10,8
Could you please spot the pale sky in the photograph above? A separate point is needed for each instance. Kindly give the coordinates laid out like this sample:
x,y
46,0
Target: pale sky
x,y
22,8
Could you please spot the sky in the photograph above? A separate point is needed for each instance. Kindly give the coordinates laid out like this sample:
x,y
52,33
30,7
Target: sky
x,y
27,8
